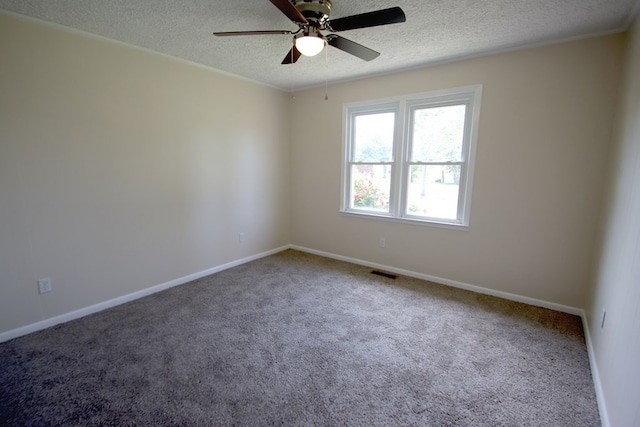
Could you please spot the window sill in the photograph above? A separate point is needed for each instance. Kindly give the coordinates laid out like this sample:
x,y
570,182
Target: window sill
x,y
412,221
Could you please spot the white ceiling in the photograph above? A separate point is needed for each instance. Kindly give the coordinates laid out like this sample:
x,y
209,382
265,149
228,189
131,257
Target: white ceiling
x,y
435,31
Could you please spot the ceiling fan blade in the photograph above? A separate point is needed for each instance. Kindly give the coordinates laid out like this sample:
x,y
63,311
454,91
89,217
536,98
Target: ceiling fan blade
x,y
290,10
351,47
392,15
292,56
250,33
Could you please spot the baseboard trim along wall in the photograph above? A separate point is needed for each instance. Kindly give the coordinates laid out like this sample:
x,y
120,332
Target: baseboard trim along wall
x,y
47,323
453,283
24,330
595,375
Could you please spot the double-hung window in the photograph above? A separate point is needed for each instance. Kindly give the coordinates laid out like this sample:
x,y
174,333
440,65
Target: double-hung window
x,y
411,158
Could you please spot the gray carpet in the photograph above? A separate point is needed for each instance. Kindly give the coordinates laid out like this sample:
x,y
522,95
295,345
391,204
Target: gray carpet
x,y
297,339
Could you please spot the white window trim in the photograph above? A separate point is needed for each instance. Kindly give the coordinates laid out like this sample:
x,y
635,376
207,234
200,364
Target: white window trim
x,y
402,105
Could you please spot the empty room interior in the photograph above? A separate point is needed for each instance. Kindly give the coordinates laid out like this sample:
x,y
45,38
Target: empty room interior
x,y
142,156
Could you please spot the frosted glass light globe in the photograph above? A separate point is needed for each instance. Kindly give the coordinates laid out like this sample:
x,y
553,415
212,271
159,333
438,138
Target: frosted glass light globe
x,y
310,45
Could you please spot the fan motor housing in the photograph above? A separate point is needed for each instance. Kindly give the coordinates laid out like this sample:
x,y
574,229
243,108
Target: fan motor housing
x,y
314,10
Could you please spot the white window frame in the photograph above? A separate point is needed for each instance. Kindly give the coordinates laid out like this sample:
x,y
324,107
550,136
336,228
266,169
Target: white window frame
x,y
403,107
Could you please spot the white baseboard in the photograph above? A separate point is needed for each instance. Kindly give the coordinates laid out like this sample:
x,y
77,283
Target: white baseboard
x,y
47,323
453,283
595,375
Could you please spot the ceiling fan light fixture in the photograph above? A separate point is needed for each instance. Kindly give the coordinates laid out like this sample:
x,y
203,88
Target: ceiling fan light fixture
x,y
310,44
312,17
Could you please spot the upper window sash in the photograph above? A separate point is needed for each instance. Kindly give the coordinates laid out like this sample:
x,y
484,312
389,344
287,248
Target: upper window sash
x,y
354,112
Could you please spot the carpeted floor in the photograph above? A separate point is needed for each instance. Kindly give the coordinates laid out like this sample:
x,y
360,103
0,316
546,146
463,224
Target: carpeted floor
x,y
297,339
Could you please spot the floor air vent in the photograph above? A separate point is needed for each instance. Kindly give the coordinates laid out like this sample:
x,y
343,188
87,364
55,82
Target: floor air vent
x,y
384,274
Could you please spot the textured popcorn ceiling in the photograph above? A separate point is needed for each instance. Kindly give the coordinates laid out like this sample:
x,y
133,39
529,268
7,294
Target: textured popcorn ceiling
x,y
436,30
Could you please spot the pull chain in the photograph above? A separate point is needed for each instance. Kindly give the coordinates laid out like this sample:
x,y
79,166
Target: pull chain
x,y
326,78
291,81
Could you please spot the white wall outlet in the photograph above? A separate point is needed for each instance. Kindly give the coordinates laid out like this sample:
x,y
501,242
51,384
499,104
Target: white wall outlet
x,y
44,285
603,318
383,242
242,237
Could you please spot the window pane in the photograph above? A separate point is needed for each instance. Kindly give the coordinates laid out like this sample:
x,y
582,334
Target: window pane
x,y
370,185
373,140
438,134
433,191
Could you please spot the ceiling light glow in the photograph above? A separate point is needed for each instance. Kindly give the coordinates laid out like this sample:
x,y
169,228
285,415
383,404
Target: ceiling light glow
x,y
310,45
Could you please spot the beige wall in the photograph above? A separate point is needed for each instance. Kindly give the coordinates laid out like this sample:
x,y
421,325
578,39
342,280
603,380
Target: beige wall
x,y
121,170
616,347
545,125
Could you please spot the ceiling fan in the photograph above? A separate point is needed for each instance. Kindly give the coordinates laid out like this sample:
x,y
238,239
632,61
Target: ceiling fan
x,y
312,17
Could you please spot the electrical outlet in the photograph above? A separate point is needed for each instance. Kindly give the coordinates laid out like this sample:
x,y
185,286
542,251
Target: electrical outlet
x,y
44,285
383,242
242,237
604,317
